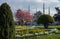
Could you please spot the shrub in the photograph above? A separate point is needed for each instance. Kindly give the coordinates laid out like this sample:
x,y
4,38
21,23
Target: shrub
x,y
45,20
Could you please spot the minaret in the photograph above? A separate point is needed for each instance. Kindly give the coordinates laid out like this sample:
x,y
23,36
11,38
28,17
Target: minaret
x,y
36,9
49,11
43,8
29,8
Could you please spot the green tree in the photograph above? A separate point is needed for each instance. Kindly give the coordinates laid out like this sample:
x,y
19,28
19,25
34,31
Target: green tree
x,y
57,16
7,28
45,20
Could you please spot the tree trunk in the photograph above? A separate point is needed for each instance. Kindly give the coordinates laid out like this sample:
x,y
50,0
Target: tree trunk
x,y
46,26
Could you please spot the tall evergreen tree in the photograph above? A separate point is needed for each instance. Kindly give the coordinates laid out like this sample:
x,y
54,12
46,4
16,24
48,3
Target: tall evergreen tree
x,y
6,22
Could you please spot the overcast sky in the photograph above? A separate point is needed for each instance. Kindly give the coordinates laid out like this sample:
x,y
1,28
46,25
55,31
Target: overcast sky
x,y
23,4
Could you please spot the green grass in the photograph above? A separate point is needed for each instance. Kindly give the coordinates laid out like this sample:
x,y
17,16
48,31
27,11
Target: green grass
x,y
57,36
54,36
42,27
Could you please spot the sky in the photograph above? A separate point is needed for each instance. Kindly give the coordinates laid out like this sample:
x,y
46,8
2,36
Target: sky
x,y
23,4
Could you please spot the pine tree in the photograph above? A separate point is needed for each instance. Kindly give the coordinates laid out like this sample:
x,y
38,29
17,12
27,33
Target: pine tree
x,y
6,22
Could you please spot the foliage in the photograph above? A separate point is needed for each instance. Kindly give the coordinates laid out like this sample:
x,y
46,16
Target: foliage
x,y
6,22
23,15
57,16
45,19
57,9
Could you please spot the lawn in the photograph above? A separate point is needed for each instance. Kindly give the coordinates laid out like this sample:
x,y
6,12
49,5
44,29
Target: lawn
x,y
36,29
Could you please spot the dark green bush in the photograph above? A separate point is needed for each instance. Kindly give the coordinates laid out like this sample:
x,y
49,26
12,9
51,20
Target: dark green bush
x,y
45,20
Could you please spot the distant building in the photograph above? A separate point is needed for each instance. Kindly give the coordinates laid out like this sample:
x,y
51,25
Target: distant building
x,y
57,19
36,15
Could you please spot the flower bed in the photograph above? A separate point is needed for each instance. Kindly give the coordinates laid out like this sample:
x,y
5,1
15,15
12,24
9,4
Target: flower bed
x,y
24,31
